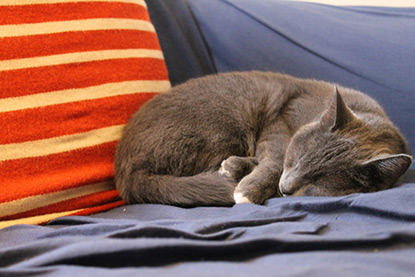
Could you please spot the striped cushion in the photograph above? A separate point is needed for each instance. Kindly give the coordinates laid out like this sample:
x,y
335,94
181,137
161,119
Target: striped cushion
x,y
71,75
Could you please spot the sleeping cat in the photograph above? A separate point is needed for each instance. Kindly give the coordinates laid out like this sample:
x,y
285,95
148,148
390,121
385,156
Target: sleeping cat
x,y
249,136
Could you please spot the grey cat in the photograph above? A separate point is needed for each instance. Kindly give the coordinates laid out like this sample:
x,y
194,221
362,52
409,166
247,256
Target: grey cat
x,y
249,136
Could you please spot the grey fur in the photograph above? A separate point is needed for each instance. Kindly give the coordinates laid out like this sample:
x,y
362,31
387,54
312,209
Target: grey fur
x,y
229,137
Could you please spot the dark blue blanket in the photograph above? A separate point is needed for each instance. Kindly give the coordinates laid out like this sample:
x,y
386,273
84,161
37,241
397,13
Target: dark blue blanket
x,y
357,235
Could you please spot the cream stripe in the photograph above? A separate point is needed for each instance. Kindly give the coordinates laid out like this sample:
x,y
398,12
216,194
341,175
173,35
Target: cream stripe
x,y
36,219
89,93
60,144
74,25
34,202
35,2
79,57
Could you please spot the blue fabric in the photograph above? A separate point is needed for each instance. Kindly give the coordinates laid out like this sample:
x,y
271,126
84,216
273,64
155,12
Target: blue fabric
x,y
371,49
185,50
357,235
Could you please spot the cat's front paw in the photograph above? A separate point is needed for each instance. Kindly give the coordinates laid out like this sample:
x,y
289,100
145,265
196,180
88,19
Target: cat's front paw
x,y
240,198
237,167
247,194
251,190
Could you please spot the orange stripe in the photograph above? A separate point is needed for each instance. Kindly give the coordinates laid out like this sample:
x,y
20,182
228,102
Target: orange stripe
x,y
37,201
70,11
51,78
59,43
70,118
41,219
46,174
91,200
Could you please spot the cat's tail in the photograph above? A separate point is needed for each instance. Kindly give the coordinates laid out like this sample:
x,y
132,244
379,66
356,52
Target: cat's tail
x,y
204,189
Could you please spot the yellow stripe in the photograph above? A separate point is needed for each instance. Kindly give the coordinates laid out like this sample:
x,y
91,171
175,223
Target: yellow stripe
x,y
36,219
79,57
75,25
60,144
81,94
38,201
36,2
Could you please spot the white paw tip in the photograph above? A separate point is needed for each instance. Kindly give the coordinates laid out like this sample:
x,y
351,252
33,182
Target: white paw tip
x,y
241,199
223,171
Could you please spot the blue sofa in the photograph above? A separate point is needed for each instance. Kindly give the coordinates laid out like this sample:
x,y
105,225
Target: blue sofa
x,y
371,49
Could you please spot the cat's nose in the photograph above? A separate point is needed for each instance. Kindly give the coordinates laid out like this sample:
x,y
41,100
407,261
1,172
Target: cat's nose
x,y
286,192
286,185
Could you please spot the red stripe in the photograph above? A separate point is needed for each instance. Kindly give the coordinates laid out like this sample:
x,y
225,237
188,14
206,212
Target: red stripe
x,y
93,200
60,43
77,75
46,174
21,14
70,118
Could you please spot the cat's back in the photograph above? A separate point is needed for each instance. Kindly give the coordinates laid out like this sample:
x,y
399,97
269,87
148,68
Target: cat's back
x,y
219,100
199,103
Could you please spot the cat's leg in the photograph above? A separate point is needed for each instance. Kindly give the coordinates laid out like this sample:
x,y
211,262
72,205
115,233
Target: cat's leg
x,y
262,183
237,167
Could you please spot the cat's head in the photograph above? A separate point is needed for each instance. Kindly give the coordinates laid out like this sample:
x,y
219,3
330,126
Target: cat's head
x,y
338,155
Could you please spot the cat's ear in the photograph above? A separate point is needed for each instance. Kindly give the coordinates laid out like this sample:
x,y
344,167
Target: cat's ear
x,y
338,114
386,170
